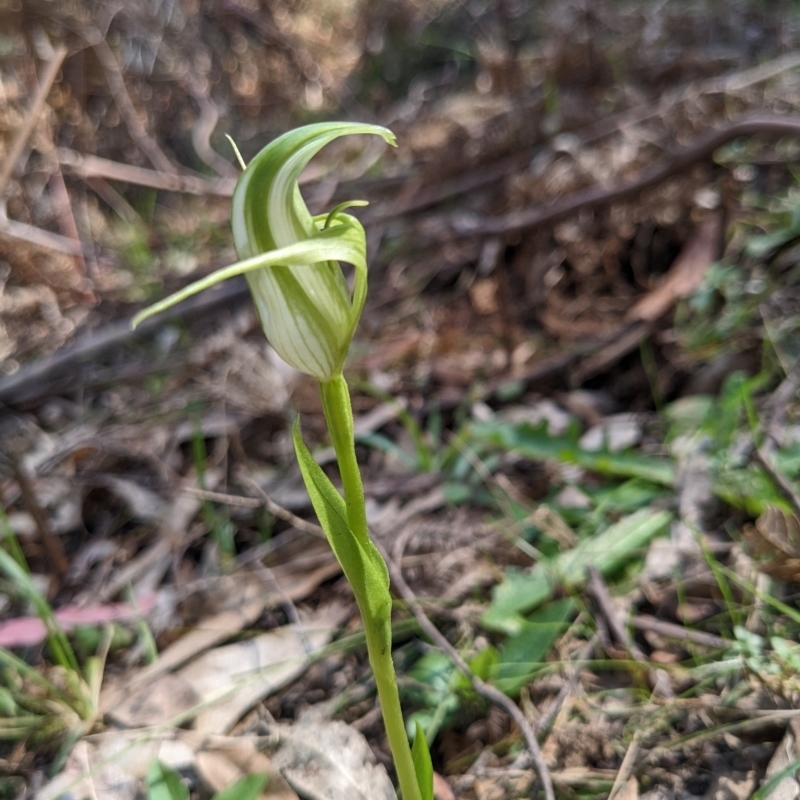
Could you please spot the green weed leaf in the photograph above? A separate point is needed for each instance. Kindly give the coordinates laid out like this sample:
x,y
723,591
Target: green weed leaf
x,y
522,655
248,788
771,785
164,783
522,592
534,441
761,246
60,647
482,664
423,767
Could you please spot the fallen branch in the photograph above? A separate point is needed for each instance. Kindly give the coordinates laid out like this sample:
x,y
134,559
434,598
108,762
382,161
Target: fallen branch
x,y
89,167
47,536
63,369
32,117
599,591
128,112
39,237
596,196
645,622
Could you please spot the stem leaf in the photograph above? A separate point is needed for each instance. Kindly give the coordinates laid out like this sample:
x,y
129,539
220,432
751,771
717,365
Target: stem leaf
x,y
361,562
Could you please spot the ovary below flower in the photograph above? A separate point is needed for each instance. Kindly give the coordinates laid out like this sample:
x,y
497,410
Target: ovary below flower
x,y
291,259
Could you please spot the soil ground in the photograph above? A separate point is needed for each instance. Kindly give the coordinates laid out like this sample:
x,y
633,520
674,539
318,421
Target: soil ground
x,y
575,385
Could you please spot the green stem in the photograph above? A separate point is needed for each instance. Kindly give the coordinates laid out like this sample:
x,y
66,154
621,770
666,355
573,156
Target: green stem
x,y
339,416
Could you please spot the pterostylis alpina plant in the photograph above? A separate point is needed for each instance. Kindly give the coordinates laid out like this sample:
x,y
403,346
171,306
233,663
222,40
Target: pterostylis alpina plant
x,y
309,315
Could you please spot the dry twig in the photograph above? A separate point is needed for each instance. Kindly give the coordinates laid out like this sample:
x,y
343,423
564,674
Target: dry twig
x,y
283,513
49,540
223,498
597,196
32,117
65,368
39,237
626,767
426,196
89,166
21,230
571,684
599,591
644,622
116,83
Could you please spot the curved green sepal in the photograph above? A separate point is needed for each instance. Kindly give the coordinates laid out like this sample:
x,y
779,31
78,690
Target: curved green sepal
x,y
343,242
291,259
236,152
268,210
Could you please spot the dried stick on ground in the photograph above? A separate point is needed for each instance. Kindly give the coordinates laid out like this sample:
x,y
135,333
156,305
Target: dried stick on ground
x,y
47,537
599,591
283,513
492,694
598,130
39,237
89,166
572,682
63,207
32,117
66,368
597,196
626,767
644,622
116,83
21,230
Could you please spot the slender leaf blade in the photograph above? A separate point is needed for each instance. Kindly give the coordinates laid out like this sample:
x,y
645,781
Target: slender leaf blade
x,y
363,565
535,442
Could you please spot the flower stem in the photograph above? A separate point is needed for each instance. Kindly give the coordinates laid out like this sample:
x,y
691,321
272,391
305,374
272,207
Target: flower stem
x,y
377,626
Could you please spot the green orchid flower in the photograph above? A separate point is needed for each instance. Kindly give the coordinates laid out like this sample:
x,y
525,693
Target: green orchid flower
x,y
290,258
